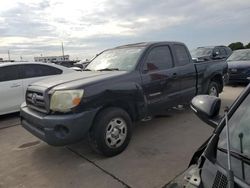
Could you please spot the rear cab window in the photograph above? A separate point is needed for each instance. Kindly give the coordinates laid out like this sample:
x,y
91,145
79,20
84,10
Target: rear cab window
x,y
182,55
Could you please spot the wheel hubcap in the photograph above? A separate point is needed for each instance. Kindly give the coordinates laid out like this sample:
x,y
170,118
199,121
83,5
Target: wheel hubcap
x,y
116,133
213,91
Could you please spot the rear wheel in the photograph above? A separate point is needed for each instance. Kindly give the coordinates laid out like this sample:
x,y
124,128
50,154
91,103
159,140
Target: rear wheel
x,y
213,89
111,131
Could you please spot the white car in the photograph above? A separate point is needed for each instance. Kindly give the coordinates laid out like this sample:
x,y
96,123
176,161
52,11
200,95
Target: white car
x,y
16,76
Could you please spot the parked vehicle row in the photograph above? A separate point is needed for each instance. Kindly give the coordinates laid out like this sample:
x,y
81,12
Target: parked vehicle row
x,y
119,86
211,53
239,66
80,66
15,78
130,83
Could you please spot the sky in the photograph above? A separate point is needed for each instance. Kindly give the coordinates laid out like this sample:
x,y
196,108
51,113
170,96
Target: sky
x,y
31,28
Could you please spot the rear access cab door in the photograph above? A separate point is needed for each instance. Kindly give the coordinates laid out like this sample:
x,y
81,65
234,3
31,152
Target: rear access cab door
x,y
186,73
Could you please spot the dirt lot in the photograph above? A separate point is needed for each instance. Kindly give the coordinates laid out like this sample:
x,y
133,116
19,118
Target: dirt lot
x,y
159,150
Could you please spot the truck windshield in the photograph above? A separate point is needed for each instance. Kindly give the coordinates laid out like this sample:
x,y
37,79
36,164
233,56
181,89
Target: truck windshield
x,y
240,55
201,52
116,59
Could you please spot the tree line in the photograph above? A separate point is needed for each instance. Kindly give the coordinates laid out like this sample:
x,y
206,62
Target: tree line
x,y
238,46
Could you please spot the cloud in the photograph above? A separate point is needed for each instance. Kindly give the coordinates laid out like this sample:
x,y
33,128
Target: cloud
x,y
30,28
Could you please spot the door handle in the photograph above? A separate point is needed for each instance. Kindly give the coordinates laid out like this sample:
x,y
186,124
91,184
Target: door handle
x,y
174,75
15,85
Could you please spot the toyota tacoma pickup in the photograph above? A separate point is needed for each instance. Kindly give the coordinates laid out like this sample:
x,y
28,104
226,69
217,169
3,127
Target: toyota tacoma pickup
x,y
119,86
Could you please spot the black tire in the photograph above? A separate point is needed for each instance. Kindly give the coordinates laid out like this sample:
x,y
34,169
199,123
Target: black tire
x,y
213,89
98,133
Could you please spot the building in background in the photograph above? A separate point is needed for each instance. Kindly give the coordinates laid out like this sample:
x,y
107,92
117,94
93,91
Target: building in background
x,y
51,58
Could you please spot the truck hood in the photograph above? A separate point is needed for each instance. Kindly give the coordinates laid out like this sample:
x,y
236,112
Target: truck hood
x,y
83,78
238,64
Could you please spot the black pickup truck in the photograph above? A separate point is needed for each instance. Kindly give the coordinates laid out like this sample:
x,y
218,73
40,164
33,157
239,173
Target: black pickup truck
x,y
121,85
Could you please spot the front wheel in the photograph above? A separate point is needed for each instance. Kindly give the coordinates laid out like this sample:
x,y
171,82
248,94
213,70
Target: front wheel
x,y
111,131
213,89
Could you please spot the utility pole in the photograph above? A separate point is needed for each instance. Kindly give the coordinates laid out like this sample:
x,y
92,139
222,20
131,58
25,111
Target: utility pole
x,y
9,54
63,51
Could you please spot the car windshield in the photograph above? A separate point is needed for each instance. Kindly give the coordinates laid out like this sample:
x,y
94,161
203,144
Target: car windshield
x,y
240,55
239,130
116,59
200,52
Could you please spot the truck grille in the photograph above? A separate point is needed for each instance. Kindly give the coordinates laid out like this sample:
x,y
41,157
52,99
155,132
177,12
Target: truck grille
x,y
36,100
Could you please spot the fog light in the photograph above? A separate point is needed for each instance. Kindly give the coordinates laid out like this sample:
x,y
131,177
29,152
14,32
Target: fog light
x,y
61,131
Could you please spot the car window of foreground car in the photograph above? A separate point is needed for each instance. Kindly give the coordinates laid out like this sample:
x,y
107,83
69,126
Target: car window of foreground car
x,y
116,59
239,140
240,55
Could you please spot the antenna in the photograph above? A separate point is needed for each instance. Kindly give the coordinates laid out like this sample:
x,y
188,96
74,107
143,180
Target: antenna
x,y
230,174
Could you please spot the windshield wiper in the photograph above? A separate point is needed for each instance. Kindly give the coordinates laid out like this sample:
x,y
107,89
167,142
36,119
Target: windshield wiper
x,y
86,70
109,69
238,155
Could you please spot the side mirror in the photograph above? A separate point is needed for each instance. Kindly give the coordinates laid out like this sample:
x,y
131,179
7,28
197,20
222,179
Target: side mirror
x,y
207,108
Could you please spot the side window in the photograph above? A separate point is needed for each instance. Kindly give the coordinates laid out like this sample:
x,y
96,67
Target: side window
x,y
182,54
223,52
159,58
239,131
9,73
229,51
49,70
31,70
216,51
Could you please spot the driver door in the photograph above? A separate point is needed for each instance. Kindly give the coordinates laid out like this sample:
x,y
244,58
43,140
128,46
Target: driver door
x,y
159,79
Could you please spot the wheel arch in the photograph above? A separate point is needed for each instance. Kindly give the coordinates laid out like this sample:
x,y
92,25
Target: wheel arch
x,y
124,105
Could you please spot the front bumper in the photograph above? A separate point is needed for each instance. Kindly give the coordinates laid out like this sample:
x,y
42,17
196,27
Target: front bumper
x,y
57,130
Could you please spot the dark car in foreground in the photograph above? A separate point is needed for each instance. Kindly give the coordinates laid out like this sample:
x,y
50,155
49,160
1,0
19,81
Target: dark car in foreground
x,y
211,53
212,165
239,66
120,86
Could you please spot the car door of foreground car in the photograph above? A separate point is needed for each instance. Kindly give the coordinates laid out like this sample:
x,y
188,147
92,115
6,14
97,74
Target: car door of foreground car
x,y
158,78
11,89
31,73
239,131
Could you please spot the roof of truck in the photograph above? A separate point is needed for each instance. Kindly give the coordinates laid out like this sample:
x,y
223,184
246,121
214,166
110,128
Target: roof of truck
x,y
146,44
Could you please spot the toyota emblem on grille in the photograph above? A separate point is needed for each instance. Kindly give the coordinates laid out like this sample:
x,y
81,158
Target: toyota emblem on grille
x,y
33,98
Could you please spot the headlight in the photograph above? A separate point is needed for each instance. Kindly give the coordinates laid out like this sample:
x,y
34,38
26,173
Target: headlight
x,y
65,100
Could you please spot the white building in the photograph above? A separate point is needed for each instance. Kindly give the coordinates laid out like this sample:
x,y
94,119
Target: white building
x,y
51,58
